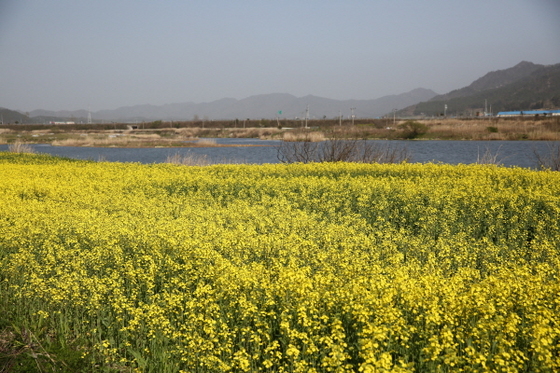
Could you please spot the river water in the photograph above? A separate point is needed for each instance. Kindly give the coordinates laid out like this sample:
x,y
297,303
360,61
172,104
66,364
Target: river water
x,y
508,153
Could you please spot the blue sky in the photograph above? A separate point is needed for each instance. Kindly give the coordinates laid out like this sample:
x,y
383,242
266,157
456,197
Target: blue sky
x,y
104,54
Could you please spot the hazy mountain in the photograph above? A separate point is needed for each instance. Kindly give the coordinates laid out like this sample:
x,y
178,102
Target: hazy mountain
x,y
492,80
254,107
526,86
8,116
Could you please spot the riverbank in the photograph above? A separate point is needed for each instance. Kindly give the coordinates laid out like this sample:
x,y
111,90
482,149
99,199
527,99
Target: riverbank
x,y
139,138
188,134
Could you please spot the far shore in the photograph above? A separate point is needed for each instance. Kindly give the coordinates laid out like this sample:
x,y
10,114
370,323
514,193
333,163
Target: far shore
x,y
192,134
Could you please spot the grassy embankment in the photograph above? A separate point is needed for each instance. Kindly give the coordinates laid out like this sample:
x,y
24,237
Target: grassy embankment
x,y
277,268
118,138
185,134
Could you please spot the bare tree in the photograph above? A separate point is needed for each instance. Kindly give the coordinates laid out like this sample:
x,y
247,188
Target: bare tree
x,y
303,150
340,146
551,159
489,157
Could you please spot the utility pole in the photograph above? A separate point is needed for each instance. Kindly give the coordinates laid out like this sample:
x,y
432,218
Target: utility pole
x,y
340,118
306,115
352,108
394,117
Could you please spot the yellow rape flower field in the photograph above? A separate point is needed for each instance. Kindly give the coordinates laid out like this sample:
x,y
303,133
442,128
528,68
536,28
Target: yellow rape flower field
x,y
332,267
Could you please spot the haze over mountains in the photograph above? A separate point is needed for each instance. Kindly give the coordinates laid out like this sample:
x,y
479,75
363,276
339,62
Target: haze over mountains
x,y
254,107
525,86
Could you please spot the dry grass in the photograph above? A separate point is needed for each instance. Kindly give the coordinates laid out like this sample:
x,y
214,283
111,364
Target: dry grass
x,y
206,143
127,139
494,129
303,136
544,134
42,132
191,159
187,134
290,136
188,159
73,142
19,147
168,137
443,129
254,133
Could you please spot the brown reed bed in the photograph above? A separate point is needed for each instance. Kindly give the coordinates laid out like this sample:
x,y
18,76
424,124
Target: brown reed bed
x,y
190,159
547,129
119,141
314,136
493,129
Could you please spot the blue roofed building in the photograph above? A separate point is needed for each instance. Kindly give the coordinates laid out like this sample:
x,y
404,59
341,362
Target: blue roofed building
x,y
529,113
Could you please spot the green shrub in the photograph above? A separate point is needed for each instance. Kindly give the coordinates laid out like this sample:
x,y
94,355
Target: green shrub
x,y
412,129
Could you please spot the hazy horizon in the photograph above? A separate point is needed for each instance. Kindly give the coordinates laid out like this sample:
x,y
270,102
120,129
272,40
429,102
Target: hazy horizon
x,y
102,55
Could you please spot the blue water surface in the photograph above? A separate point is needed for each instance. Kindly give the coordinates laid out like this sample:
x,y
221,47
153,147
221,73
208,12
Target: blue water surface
x,y
508,153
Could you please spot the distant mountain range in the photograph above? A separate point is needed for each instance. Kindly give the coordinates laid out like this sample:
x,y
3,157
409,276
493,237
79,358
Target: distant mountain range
x,y
255,107
526,86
